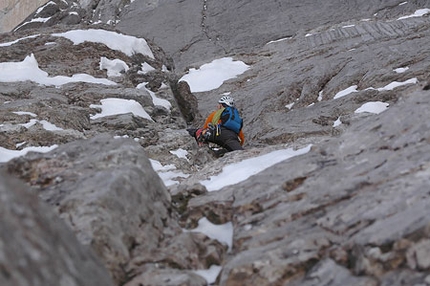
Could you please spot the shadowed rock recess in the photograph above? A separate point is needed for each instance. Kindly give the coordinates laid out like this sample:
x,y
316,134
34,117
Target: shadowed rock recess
x,y
354,210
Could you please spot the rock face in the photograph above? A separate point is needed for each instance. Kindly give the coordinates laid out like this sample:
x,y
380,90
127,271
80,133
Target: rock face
x,y
114,202
346,213
12,12
112,197
37,248
351,211
207,29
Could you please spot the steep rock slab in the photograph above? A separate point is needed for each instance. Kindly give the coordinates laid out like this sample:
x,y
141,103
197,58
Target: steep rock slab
x,y
353,210
36,247
288,92
203,30
363,197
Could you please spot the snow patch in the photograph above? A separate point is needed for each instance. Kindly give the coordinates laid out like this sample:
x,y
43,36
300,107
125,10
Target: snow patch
x,y
375,107
212,75
114,106
29,69
114,67
115,41
7,155
345,92
238,172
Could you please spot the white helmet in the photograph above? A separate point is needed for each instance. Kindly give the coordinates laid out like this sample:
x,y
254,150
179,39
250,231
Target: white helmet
x,y
228,100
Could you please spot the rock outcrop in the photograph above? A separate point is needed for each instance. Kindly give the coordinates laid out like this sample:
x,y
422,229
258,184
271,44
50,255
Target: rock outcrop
x,y
37,248
352,210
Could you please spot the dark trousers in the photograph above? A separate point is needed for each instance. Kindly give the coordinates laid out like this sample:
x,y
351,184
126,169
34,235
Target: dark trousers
x,y
227,139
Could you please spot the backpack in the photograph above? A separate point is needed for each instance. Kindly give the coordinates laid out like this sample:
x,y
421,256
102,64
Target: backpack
x,y
231,119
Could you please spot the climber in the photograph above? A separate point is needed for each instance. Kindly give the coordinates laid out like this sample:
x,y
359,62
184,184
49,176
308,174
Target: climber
x,y
222,127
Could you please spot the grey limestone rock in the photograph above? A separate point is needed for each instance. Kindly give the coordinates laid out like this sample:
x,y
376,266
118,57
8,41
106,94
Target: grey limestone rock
x,y
351,211
108,189
36,247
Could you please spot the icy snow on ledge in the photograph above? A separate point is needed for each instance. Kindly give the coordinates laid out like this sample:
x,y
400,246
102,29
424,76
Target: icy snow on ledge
x,y
25,113
209,274
18,40
167,173
375,107
155,100
345,92
337,122
29,69
222,232
180,153
115,41
418,13
114,67
401,70
238,172
115,106
396,84
46,125
212,75
389,86
7,155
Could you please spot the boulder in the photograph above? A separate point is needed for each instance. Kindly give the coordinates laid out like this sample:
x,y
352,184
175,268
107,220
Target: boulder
x,y
37,247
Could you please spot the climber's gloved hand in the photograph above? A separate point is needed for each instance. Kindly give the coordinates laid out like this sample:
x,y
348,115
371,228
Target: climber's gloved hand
x,y
202,134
